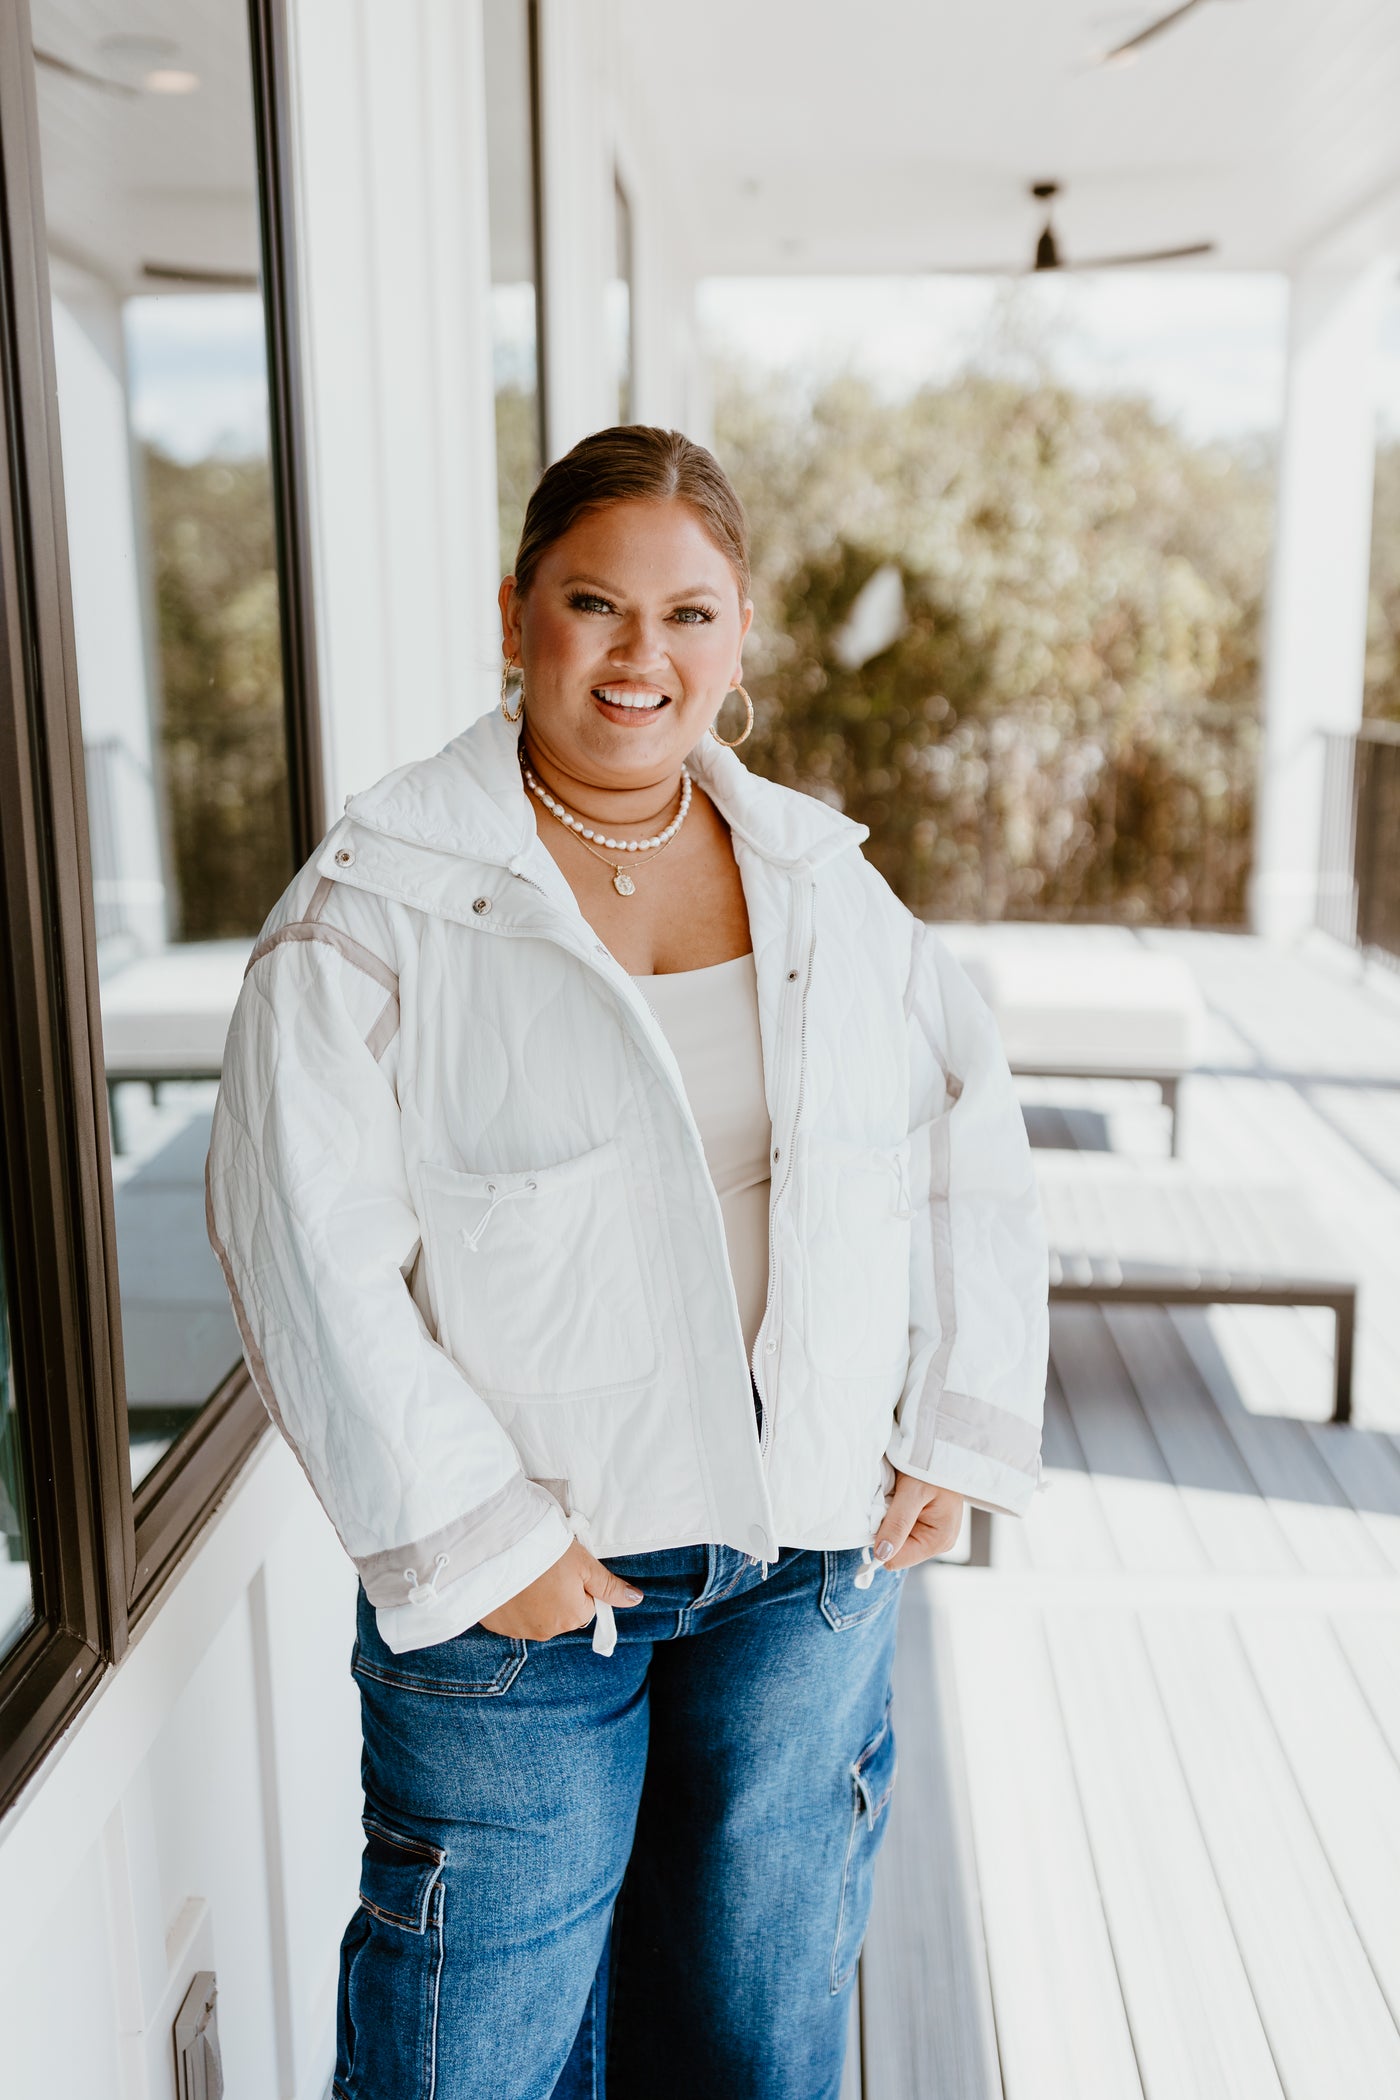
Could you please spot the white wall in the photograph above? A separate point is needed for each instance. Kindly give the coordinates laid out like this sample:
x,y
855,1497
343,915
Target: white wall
x,y
203,1812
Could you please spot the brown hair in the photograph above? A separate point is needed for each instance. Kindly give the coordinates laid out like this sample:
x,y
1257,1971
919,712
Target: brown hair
x,y
632,463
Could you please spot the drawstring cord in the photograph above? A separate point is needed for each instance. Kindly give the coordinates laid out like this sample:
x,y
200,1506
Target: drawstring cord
x,y
424,1592
604,1618
867,1573
472,1240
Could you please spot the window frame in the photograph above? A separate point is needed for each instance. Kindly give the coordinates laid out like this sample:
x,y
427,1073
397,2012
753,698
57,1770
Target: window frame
x,y
102,1555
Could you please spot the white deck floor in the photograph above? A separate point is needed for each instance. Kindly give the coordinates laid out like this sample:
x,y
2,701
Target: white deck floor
x,y
1146,1839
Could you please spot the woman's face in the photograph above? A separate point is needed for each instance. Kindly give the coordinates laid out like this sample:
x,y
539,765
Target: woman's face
x,y
629,638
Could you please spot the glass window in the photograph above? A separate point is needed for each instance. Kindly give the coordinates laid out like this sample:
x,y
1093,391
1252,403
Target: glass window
x,y
619,302
16,1585
150,186
510,145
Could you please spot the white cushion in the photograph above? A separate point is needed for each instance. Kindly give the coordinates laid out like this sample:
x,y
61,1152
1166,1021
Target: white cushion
x,y
170,1012
1110,1009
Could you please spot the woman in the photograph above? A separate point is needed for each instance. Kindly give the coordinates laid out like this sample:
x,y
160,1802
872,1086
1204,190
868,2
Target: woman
x,y
631,1226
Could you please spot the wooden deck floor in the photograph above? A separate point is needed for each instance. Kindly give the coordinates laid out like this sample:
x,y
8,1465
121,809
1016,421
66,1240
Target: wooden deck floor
x,y
1145,1843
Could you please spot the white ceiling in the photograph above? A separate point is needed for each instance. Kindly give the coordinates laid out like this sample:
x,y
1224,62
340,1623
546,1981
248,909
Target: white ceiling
x,y
139,178
899,135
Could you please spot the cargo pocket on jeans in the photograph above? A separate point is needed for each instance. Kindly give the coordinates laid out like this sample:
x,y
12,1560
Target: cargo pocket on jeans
x,y
390,1963
872,1783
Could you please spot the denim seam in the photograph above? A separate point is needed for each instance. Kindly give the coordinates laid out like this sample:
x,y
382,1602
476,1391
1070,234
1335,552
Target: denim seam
x,y
430,2039
838,1983
476,1688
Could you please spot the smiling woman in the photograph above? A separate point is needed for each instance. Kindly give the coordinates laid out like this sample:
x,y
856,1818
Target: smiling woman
x,y
627,1212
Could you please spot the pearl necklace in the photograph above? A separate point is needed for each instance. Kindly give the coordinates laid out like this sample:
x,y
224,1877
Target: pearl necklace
x,y
591,840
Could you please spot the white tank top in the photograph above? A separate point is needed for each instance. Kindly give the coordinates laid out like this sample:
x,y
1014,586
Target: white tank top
x,y
710,1019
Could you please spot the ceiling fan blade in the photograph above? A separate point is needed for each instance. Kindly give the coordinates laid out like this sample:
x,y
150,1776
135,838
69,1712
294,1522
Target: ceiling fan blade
x,y
1148,255
191,273
1153,29
69,71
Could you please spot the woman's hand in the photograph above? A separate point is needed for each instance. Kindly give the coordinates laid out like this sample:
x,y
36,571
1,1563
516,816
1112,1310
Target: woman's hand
x,y
920,1521
561,1600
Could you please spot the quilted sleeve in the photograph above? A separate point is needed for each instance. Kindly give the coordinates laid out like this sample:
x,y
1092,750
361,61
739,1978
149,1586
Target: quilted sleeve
x,y
970,1414
311,1216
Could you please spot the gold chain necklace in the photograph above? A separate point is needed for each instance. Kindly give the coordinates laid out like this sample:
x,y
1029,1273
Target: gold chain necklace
x,y
592,839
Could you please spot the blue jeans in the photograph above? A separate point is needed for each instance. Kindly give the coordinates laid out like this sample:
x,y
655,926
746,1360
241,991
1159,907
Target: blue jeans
x,y
638,1875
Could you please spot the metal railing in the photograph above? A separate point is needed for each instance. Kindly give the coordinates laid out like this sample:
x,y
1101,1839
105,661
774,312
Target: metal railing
x,y
1358,890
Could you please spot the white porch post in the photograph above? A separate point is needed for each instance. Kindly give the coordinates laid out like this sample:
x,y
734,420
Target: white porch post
x,y
576,152
1315,641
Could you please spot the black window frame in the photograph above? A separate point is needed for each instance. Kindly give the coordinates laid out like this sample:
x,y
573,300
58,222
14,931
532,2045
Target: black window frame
x,y
101,1553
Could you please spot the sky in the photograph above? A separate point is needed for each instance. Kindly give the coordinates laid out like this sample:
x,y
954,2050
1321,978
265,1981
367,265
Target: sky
x,y
197,373
1207,347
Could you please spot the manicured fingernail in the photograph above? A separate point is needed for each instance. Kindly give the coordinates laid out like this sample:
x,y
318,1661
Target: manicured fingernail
x,y
884,1550
632,1596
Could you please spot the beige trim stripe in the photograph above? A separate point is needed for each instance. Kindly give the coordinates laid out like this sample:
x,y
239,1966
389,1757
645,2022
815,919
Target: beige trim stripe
x,y
384,1029
359,957
469,1541
991,1432
944,1292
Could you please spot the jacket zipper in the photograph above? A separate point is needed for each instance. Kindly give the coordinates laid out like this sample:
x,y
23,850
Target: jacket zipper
x,y
768,1395
678,1095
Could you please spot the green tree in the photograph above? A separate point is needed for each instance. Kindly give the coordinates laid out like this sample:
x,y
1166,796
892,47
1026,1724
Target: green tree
x,y
222,727
1066,725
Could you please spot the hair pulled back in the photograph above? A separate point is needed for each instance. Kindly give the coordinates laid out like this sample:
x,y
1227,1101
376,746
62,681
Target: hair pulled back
x,y
631,463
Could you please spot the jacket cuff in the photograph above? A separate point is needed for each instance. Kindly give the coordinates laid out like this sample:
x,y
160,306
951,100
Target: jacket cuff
x,y
420,1571
405,1628
983,1452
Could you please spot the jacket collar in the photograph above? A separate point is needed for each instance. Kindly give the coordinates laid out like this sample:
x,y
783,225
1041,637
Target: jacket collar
x,y
469,800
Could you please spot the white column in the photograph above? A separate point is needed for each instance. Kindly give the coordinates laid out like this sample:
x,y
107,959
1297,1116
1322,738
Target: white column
x,y
394,256
107,560
576,152
1315,641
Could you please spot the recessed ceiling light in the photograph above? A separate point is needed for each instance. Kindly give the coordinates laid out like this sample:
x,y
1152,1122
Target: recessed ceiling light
x,y
169,80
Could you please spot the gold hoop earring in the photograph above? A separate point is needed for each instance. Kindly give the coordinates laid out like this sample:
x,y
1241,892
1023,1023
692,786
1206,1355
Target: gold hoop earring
x,y
733,743
506,669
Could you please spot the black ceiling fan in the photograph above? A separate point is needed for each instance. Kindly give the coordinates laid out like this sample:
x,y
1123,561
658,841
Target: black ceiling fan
x,y
1124,53
1048,255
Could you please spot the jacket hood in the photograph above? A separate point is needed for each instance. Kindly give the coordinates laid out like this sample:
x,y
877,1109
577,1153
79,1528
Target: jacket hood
x,y
469,800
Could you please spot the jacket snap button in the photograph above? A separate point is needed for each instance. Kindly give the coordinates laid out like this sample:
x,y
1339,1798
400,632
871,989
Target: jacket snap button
x,y
770,1348
480,904
344,857
792,976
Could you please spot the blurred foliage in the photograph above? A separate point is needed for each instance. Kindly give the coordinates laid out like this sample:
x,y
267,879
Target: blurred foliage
x,y
1067,725
1383,632
517,463
223,735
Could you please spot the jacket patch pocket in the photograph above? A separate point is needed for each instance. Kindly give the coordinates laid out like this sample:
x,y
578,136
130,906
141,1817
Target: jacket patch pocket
x,y
390,1966
859,1210
537,1279
872,1783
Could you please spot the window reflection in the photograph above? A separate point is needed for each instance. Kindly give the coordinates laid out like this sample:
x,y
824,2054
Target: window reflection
x,y
16,1585
150,184
619,302
510,145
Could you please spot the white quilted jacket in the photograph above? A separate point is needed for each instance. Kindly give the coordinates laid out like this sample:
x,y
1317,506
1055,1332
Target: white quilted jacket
x,y
475,1255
